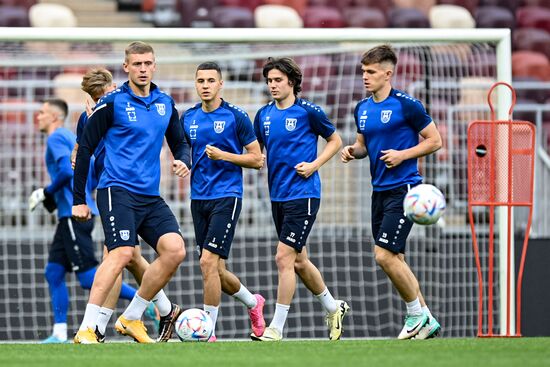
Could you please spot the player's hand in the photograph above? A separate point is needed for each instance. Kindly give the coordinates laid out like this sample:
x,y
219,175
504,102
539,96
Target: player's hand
x,y
82,213
180,169
347,154
214,153
89,107
262,161
305,169
36,198
392,158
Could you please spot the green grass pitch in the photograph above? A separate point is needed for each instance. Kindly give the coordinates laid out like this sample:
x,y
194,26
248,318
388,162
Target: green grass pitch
x,y
498,352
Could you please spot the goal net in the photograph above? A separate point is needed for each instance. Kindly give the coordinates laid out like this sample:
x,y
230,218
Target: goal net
x,y
450,73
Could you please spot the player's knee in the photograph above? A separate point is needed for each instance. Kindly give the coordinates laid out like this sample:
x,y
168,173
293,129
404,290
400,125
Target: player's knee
x,y
209,264
284,261
54,273
383,258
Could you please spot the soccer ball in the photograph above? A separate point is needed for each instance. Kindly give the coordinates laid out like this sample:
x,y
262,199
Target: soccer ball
x,y
194,325
424,204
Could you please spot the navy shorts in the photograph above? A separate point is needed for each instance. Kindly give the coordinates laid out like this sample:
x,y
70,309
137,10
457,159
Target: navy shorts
x,y
215,221
73,246
390,226
125,215
294,219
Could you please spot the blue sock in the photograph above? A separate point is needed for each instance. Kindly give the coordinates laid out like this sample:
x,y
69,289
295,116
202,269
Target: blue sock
x,y
55,275
86,278
127,291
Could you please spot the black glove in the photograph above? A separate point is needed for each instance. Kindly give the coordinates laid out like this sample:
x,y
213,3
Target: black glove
x,y
49,202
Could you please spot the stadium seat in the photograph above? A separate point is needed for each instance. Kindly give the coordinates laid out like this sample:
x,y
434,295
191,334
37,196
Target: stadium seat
x,y
407,18
277,16
13,16
533,17
543,3
298,5
451,16
409,66
491,16
530,64
532,39
51,15
385,6
470,5
422,5
23,3
195,13
508,4
316,71
364,17
250,4
323,17
537,94
232,17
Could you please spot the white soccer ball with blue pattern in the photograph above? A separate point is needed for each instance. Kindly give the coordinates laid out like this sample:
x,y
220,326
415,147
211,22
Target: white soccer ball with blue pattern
x,y
424,204
194,325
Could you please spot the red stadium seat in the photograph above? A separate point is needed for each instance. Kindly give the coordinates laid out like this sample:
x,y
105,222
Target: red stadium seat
x,y
323,17
530,64
508,4
14,16
407,18
494,17
385,6
471,5
533,17
364,17
250,4
543,3
532,39
232,17
196,13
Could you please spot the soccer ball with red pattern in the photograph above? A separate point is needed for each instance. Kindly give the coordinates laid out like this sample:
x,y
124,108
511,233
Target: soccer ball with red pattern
x,y
424,204
194,325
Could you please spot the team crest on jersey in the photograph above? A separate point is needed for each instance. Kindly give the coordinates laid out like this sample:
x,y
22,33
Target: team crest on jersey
x,y
219,126
161,108
124,234
385,116
290,124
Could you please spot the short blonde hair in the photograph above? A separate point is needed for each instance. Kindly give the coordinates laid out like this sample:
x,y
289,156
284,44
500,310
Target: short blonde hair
x,y
137,48
95,81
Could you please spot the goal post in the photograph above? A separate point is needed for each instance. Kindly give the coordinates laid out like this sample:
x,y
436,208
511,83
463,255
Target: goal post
x,y
445,68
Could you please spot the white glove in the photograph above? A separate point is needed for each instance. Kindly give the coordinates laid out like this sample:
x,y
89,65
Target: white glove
x,y
36,198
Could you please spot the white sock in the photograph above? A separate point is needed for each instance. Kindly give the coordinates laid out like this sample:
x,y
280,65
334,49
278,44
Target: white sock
x,y
136,308
414,308
163,303
279,319
103,319
90,317
212,311
328,302
426,310
60,331
245,297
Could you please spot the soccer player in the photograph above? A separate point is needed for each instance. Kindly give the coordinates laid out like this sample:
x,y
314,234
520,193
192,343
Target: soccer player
x,y
98,82
132,121
388,125
218,131
72,248
289,128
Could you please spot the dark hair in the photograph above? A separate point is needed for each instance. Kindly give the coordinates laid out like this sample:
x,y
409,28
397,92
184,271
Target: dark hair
x,y
288,67
60,104
378,55
210,65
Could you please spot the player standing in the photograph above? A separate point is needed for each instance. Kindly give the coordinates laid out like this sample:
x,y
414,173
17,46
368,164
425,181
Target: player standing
x,y
72,248
388,125
289,128
218,131
133,122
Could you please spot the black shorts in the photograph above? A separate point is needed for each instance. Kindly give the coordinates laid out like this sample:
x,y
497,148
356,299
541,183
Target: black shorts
x,y
73,246
390,226
125,215
294,220
215,221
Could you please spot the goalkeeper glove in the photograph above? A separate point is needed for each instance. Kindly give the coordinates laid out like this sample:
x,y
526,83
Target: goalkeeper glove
x,y
42,196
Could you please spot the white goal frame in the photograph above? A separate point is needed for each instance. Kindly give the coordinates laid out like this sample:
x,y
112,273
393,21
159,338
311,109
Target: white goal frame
x,y
501,37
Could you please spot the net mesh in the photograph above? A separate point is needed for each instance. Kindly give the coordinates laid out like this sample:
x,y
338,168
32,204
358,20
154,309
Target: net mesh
x,y
451,80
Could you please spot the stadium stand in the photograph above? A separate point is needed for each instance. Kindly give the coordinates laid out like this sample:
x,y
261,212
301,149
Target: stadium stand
x,y
423,5
232,17
364,17
533,17
530,64
470,5
532,39
323,17
13,16
407,18
51,15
